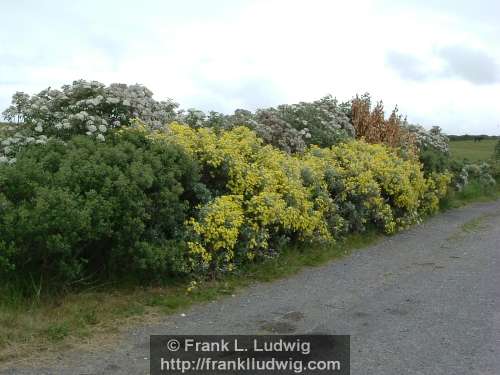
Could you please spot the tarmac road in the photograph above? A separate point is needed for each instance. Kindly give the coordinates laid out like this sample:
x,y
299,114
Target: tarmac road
x,y
425,301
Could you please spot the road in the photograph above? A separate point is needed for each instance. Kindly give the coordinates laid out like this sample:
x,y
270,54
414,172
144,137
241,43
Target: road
x,y
424,301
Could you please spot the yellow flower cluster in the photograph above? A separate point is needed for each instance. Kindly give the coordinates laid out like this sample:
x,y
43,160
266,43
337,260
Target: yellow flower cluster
x,y
389,191
220,227
263,192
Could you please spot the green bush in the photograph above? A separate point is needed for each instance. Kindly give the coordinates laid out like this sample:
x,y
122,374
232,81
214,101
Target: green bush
x,y
88,209
496,162
434,161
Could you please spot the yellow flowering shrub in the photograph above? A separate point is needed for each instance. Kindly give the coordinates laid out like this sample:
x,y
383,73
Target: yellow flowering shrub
x,y
261,194
373,185
218,228
437,188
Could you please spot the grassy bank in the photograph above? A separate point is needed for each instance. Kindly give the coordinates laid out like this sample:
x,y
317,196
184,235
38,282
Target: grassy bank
x,y
473,192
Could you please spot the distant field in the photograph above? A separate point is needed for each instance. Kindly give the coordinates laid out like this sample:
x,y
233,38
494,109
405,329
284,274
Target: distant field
x,y
471,150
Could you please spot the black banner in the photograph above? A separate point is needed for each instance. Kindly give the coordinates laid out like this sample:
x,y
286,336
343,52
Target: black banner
x,y
247,354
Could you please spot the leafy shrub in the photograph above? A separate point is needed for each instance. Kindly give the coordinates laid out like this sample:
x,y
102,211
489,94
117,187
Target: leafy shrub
x,y
495,165
470,192
434,161
88,190
88,209
290,128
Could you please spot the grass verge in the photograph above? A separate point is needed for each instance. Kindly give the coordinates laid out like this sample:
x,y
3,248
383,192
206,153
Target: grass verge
x,y
94,318
473,192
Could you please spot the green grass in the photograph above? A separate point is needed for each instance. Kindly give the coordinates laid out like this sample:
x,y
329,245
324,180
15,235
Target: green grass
x,y
473,192
51,323
475,224
473,151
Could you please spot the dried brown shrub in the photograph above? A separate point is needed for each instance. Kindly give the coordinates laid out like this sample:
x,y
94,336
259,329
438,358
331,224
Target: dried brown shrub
x,y
371,125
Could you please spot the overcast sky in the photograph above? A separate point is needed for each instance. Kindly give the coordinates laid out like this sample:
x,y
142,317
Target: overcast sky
x,y
438,60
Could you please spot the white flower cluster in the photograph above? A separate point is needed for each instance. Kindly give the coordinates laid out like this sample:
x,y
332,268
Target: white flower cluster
x,y
325,114
84,107
479,172
322,122
279,133
433,138
12,143
192,117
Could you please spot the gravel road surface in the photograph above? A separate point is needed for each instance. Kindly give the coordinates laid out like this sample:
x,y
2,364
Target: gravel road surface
x,y
425,301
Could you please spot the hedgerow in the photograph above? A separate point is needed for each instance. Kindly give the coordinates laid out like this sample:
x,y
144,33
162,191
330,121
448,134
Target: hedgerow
x,y
97,182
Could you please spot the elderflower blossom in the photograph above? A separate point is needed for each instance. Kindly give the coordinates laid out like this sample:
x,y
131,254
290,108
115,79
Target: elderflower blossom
x,y
83,107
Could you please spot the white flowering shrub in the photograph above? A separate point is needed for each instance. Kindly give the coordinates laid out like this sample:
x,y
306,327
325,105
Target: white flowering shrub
x,y
478,173
192,117
429,139
292,127
279,133
432,147
324,119
84,107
